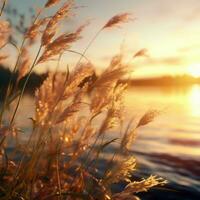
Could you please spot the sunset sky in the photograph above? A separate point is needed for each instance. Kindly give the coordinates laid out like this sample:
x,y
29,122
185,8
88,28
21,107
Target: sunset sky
x,y
168,29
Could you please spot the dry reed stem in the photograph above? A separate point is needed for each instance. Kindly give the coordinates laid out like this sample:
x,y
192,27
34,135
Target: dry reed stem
x,y
3,6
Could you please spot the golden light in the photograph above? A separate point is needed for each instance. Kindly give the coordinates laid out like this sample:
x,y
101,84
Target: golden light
x,y
194,100
194,70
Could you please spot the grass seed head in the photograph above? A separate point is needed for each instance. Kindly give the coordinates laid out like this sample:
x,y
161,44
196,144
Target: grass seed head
x,y
51,27
5,31
117,20
148,117
141,53
50,3
60,44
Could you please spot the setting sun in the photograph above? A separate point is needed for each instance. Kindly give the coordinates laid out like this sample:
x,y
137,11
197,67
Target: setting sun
x,y
194,70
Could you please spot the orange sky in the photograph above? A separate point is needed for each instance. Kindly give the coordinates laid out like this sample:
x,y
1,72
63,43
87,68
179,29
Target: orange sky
x,y
168,29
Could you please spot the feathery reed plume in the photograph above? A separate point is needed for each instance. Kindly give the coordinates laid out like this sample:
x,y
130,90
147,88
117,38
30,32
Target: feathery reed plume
x,y
24,64
115,109
127,140
55,90
114,21
81,73
139,186
142,52
147,118
130,135
47,96
4,32
60,44
121,171
113,73
23,69
50,3
51,27
99,101
117,20
34,30
144,185
68,112
110,76
116,61
107,81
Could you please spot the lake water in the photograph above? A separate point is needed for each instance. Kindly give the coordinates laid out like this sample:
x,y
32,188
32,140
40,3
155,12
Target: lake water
x,y
170,145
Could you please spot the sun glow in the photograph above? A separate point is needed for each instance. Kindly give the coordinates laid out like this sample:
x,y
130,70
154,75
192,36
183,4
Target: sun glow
x,y
194,99
194,70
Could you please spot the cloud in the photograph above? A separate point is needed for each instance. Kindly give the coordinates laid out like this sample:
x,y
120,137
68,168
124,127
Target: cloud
x,y
189,48
163,61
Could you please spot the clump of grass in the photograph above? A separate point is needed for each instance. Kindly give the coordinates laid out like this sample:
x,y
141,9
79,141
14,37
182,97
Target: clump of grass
x,y
74,111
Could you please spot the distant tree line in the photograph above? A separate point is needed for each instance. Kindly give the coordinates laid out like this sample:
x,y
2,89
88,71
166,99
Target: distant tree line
x,y
7,76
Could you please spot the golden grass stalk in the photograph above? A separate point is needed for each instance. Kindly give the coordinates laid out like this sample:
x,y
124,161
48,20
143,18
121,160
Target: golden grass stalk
x,y
147,118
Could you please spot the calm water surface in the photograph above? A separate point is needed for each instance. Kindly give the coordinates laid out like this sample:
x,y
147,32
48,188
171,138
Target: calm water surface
x,y
169,146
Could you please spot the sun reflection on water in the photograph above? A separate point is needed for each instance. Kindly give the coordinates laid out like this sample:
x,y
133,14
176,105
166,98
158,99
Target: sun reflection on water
x,y
194,100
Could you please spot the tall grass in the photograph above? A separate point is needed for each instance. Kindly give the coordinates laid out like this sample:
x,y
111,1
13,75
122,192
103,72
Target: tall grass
x,y
74,113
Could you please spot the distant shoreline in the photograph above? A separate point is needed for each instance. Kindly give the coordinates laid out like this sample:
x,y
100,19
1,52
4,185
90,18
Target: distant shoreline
x,y
6,75
165,81
37,79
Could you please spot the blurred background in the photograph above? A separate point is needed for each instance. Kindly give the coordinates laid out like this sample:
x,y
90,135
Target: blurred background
x,y
167,78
